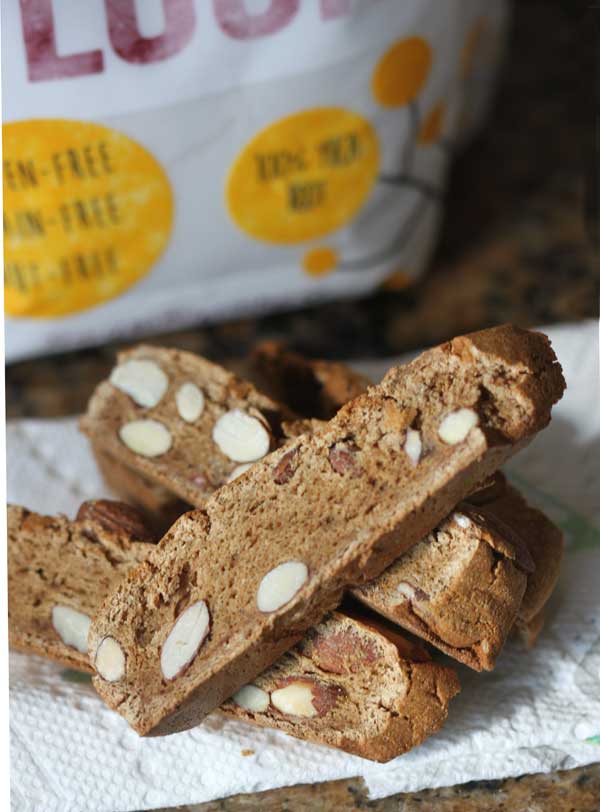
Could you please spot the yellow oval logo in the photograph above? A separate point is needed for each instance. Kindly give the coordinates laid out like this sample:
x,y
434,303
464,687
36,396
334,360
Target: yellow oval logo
x,y
87,212
303,176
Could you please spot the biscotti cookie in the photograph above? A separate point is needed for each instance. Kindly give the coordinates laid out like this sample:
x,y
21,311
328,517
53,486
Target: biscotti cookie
x,y
182,422
312,388
59,571
230,588
354,684
543,539
460,588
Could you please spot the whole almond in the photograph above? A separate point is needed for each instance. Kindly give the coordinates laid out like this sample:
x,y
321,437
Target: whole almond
x,y
115,517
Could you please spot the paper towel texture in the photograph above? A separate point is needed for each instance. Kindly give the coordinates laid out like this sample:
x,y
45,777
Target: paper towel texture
x,y
535,712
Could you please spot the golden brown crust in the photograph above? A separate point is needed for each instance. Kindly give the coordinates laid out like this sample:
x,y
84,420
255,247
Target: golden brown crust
x,y
544,541
460,588
353,502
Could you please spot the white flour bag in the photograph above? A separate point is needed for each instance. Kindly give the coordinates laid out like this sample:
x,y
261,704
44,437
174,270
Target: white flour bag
x,y
170,162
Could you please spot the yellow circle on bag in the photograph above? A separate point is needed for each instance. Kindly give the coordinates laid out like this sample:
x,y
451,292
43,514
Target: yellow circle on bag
x,y
303,176
87,212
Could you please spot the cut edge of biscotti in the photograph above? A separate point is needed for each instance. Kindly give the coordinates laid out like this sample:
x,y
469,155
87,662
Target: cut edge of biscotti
x,y
459,588
392,464
60,570
544,540
160,404
352,683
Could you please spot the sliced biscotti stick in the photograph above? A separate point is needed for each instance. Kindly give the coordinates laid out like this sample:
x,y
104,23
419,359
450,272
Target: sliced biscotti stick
x,y
272,551
59,571
312,388
354,684
544,541
184,423
460,588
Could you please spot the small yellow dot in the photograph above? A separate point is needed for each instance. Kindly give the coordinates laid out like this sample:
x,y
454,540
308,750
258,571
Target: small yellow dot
x,y
399,280
401,72
431,128
320,261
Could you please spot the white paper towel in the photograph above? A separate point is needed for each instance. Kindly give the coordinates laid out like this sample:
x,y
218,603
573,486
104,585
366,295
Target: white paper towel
x,y
536,711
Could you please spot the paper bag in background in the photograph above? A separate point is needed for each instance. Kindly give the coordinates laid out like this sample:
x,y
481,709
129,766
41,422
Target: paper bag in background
x,y
175,161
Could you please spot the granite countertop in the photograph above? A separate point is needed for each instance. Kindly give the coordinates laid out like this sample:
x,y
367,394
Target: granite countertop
x,y
567,791
514,247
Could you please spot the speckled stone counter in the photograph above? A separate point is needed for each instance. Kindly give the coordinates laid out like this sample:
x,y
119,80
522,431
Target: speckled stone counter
x,y
514,247
569,791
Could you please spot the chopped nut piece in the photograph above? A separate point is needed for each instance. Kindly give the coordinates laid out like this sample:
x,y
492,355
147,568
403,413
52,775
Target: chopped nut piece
x,y
279,586
344,652
284,470
305,697
184,640
72,627
190,402
413,446
110,660
146,437
343,460
409,592
455,427
252,698
241,437
115,516
143,381
462,520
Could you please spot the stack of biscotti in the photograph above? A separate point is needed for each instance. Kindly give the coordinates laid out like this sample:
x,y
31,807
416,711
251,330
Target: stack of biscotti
x,y
269,553
352,682
465,585
287,523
